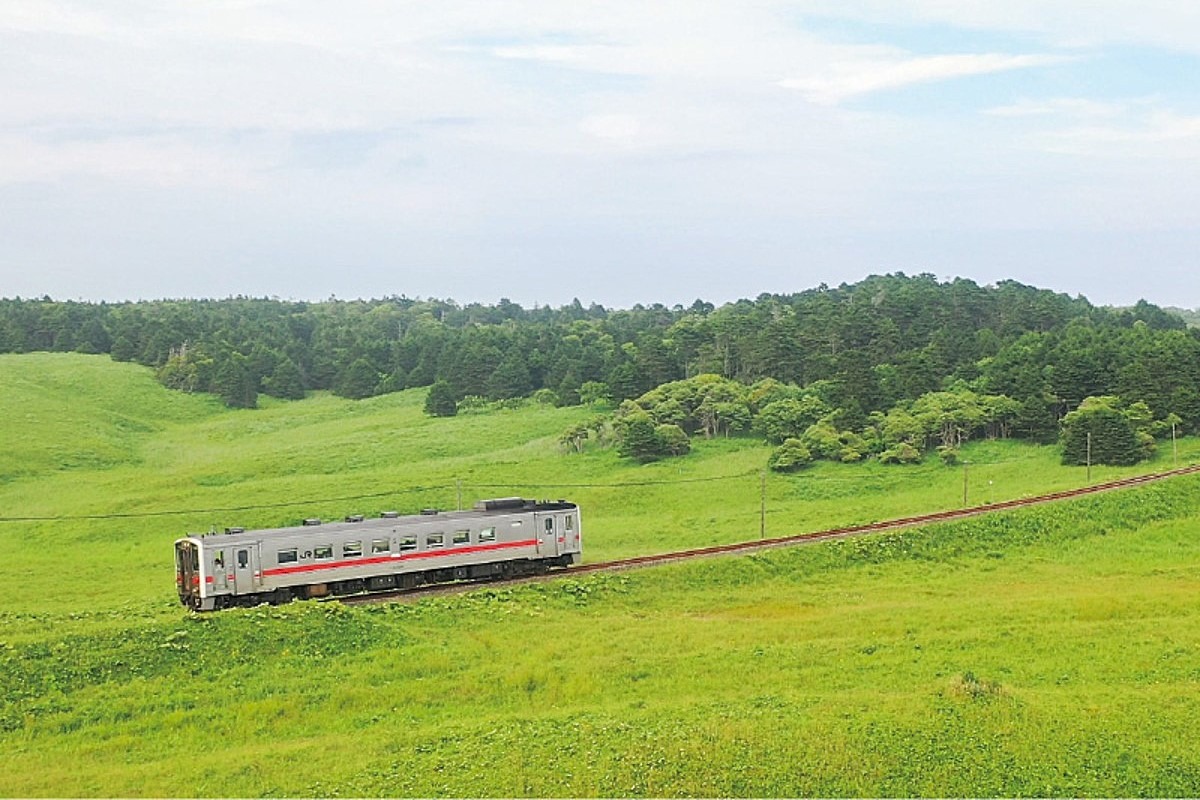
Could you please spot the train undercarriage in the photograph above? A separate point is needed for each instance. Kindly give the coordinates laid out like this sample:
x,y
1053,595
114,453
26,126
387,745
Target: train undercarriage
x,y
500,570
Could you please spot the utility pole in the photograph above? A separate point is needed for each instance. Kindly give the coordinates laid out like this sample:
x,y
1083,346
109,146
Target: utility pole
x,y
1174,446
458,492
965,464
1089,457
762,505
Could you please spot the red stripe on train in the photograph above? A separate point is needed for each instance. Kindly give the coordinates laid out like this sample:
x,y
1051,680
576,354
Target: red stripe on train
x,y
457,551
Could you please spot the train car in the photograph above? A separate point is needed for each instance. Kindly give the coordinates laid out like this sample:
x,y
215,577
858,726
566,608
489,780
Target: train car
x,y
499,538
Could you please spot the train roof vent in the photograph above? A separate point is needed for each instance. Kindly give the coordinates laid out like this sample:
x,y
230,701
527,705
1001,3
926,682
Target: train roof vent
x,y
500,503
311,521
354,518
429,512
389,514
235,530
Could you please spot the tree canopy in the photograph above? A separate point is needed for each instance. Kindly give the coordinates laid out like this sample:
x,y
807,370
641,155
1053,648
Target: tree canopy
x,y
883,356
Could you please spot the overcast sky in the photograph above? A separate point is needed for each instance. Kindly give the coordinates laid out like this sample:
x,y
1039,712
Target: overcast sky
x,y
618,152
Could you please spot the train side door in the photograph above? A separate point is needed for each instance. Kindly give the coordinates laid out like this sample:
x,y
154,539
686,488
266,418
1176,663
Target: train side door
x,y
549,536
220,572
246,575
571,534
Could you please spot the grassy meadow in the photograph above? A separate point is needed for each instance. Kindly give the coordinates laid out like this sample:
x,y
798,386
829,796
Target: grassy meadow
x,y
1054,650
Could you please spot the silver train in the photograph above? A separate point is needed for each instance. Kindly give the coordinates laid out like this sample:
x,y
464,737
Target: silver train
x,y
500,538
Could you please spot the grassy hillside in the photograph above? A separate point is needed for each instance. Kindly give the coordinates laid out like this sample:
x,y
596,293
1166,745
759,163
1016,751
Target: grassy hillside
x,y
1040,652
71,412
1049,651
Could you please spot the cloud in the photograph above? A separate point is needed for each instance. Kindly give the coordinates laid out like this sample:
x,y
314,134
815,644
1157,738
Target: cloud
x,y
1059,106
559,53
1169,24
1157,135
1120,128
847,80
611,126
162,161
538,132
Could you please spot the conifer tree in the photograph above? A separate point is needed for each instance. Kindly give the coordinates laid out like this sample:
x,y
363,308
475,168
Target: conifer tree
x,y
441,402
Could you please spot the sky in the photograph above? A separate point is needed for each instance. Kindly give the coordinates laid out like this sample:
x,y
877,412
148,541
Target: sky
x,y
615,152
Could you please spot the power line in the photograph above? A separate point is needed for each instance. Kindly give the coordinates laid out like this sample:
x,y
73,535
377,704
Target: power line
x,y
181,512
371,496
606,485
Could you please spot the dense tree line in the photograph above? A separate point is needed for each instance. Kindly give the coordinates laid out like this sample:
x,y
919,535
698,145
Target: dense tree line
x,y
859,350
806,426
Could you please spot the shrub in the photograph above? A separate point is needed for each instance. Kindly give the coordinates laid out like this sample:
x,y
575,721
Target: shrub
x,y
672,440
790,456
472,403
545,397
637,438
592,392
903,453
973,688
789,418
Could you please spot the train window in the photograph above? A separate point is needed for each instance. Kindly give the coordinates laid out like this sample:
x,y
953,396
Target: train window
x,y
323,551
381,546
570,522
350,549
219,559
286,556
487,535
461,537
408,542
435,539
549,524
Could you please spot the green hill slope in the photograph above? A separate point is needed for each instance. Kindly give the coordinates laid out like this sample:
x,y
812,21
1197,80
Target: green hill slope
x,y
1051,651
1047,651
65,411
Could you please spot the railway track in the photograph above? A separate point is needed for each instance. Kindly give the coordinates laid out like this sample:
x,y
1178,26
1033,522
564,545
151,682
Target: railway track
x,y
754,545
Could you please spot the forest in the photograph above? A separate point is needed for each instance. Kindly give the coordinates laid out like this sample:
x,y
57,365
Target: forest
x,y
887,367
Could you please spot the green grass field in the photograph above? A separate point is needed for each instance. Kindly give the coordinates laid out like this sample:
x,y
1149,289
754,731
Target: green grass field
x,y
1054,650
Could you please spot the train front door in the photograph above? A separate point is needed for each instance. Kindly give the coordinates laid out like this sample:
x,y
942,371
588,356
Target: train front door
x,y
246,575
